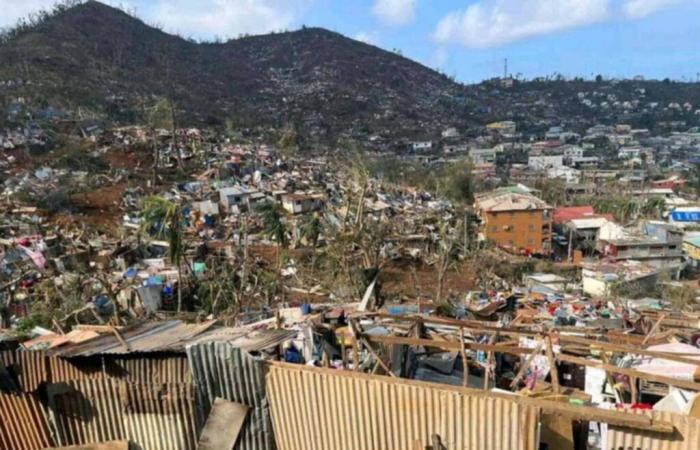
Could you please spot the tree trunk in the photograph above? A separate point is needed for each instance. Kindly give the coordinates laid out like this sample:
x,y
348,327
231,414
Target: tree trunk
x,y
156,157
179,288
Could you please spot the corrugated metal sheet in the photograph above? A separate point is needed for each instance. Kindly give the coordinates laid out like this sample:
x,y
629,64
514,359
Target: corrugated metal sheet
x,y
30,368
222,370
315,409
152,416
62,370
23,423
161,416
686,437
148,337
151,369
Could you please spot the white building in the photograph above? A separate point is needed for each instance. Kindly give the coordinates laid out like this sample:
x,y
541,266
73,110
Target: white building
x,y
544,162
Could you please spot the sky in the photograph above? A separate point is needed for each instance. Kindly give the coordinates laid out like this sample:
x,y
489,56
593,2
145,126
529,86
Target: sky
x,y
466,39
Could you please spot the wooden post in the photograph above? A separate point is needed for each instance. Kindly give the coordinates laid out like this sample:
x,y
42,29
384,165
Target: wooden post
x,y
465,381
489,362
652,332
553,370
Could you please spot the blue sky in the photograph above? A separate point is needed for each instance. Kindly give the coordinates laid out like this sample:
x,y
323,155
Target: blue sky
x,y
467,39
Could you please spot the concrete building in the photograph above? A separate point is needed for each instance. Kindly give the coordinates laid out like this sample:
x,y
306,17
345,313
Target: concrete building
x,y
519,222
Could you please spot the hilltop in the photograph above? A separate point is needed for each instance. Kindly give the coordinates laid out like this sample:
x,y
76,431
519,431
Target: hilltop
x,y
93,55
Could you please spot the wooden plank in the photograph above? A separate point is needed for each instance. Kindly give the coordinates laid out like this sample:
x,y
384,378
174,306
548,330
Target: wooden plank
x,y
526,364
653,330
223,425
447,345
620,348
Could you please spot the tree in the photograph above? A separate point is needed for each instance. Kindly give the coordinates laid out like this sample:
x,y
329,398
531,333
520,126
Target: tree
x,y
448,250
159,115
274,227
164,219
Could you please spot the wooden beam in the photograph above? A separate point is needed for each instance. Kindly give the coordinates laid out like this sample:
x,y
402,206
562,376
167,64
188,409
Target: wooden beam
x,y
447,345
653,329
526,364
620,348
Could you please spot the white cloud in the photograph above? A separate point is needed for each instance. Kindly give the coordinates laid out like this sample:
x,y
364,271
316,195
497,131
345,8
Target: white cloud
x,y
13,10
225,18
636,9
395,12
439,58
366,37
491,23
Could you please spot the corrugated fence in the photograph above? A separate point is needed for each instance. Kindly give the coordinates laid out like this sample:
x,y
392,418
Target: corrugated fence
x,y
98,410
23,425
222,370
686,436
316,409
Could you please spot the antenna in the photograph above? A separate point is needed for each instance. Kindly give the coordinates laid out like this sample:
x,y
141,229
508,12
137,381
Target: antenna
x,y
505,68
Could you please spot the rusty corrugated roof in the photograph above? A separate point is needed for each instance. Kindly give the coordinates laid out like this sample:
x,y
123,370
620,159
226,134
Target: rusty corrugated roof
x,y
170,336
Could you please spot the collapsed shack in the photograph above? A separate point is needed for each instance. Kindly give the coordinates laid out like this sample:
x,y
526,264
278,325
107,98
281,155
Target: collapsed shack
x,y
152,385
333,377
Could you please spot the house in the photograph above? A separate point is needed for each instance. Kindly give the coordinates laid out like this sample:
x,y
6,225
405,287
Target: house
x,y
629,152
420,146
482,155
691,248
568,174
573,151
450,133
673,182
301,203
503,127
237,196
603,279
516,221
544,162
658,244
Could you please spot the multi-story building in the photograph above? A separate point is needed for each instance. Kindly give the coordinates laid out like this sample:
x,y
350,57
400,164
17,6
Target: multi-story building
x,y
520,222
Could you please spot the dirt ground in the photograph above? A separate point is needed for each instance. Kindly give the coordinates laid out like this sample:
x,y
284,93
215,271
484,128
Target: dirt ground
x,y
99,208
408,279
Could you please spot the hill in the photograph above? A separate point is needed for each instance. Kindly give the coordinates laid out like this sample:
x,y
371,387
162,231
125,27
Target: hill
x,y
98,57
95,58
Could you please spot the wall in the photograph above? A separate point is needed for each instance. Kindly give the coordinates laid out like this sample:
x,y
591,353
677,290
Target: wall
x,y
319,409
525,229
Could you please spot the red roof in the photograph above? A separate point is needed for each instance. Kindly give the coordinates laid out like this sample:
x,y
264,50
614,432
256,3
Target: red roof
x,y
566,213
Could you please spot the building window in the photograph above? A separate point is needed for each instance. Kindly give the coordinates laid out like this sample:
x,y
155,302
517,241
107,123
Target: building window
x,y
530,242
531,227
494,229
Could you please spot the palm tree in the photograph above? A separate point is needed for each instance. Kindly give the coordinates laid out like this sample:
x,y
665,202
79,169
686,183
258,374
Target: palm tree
x,y
311,229
274,226
654,207
164,219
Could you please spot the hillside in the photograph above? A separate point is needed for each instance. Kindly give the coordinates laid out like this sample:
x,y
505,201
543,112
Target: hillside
x,y
322,82
97,59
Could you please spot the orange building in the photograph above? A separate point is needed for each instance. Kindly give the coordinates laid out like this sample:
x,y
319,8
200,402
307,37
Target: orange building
x,y
516,221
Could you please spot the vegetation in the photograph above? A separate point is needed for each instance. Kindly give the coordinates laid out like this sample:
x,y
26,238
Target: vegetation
x,y
164,219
